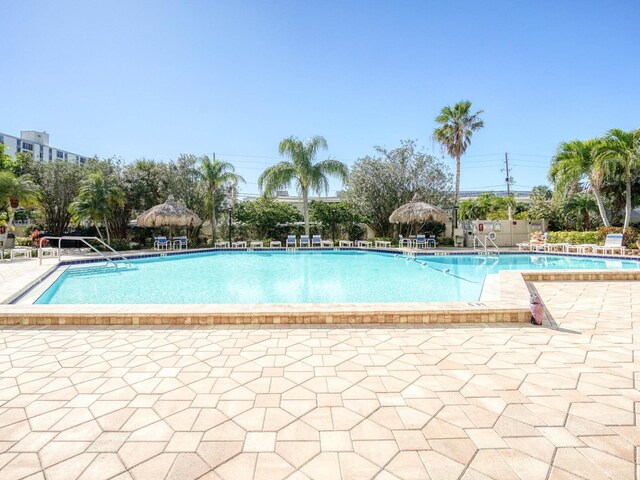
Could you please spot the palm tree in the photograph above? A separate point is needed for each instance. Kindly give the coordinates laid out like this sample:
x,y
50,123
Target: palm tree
x,y
17,191
581,205
457,125
577,160
216,174
619,153
302,171
97,197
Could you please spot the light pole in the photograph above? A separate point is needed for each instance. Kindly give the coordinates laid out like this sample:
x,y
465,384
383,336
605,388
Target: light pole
x,y
229,216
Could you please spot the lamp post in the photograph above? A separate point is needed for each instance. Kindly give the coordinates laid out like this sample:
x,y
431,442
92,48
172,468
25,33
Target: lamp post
x,y
333,224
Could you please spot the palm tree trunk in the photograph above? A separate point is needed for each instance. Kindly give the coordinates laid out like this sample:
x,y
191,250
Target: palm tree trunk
x,y
456,195
601,209
305,209
95,224
106,227
213,215
627,213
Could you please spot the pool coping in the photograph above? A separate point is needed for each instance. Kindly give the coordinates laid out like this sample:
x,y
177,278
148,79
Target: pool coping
x,y
512,306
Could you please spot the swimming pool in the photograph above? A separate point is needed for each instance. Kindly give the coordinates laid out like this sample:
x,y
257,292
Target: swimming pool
x,y
267,277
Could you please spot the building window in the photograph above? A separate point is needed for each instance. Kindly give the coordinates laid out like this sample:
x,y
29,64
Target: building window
x,y
59,154
66,156
50,154
82,159
27,146
2,139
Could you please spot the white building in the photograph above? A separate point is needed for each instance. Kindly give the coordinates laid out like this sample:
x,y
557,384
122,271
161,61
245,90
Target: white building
x,y
37,143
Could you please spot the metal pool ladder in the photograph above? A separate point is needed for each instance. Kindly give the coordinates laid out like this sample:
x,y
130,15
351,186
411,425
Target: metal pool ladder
x,y
486,245
107,258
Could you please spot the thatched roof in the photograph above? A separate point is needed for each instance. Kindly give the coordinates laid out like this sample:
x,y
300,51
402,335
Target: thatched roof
x,y
169,213
418,212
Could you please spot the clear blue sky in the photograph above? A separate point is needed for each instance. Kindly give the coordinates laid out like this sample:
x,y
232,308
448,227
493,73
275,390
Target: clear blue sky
x,y
158,78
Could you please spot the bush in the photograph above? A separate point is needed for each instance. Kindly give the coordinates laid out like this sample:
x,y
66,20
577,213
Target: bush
x,y
119,244
574,238
24,242
445,242
630,236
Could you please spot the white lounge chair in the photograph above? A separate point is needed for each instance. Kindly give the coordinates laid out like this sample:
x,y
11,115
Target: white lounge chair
x,y
613,243
363,243
19,252
421,241
316,240
221,244
431,241
275,244
304,240
256,243
239,244
180,242
345,243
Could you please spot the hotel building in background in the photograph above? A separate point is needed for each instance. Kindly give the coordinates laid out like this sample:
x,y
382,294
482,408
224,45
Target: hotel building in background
x,y
37,144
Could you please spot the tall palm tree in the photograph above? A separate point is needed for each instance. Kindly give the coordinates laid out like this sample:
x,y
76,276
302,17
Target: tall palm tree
x,y
619,152
216,174
17,191
457,125
302,171
97,197
576,160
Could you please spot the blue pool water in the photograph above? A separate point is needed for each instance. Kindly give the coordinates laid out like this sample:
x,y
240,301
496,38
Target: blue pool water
x,y
298,277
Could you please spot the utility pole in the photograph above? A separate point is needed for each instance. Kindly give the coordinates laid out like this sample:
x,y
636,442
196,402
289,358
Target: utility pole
x,y
508,179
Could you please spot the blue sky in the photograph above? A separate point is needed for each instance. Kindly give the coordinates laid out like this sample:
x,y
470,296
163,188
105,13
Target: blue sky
x,y
158,78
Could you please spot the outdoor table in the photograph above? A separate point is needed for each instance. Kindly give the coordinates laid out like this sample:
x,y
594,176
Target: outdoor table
x,y
363,243
383,243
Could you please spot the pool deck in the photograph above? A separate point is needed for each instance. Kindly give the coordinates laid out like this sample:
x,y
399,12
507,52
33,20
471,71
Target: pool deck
x,y
473,402
504,299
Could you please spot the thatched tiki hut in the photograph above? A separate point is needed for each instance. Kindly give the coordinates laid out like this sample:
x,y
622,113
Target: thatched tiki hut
x,y
168,214
418,213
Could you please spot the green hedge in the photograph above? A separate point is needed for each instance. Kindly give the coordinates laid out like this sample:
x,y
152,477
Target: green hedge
x,y
574,238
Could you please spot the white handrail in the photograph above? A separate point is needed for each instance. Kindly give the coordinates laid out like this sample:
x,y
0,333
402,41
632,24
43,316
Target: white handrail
x,y
485,244
83,240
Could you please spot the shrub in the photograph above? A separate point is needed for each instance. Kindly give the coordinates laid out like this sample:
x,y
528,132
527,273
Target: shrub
x,y
120,244
445,242
574,238
24,242
630,236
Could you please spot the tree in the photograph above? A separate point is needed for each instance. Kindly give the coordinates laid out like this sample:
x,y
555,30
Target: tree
x,y
268,218
342,215
59,182
619,155
216,174
98,195
581,205
575,161
17,191
302,171
457,125
379,184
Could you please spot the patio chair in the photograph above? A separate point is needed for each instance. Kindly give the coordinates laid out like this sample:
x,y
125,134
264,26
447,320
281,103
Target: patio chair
x,y
161,243
613,242
291,241
421,241
304,240
19,252
180,242
431,241
404,242
316,240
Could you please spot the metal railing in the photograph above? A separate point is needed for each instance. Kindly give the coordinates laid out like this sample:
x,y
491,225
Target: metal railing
x,y
485,245
85,240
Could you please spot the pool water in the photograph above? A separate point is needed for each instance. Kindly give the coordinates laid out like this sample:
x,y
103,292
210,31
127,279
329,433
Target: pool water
x,y
229,277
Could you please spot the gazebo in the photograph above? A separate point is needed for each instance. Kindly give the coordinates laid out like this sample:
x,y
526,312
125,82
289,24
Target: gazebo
x,y
416,213
168,214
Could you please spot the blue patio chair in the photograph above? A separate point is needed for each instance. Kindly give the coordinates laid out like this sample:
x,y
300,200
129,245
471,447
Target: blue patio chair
x,y
291,241
180,243
316,240
161,243
404,242
421,241
431,241
304,240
